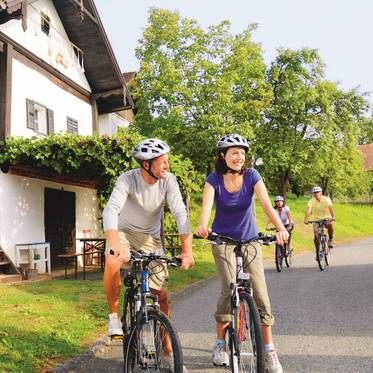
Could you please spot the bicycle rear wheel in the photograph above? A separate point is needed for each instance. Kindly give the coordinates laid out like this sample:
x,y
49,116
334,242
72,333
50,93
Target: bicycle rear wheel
x,y
320,254
246,339
278,258
143,347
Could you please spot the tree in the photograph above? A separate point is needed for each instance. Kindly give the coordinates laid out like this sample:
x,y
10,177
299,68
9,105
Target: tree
x,y
311,128
195,86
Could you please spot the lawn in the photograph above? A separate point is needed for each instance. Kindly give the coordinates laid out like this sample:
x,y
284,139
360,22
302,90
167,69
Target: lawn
x,y
43,323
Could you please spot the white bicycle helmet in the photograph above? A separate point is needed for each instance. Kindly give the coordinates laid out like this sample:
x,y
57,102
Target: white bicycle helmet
x,y
279,198
231,140
149,149
316,189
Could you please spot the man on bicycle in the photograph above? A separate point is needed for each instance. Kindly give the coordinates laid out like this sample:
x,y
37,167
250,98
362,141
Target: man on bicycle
x,y
132,220
321,208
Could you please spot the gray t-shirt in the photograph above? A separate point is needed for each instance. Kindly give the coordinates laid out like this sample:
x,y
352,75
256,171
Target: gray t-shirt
x,y
137,206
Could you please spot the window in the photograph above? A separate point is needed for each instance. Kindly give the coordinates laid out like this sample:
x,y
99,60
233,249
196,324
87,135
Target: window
x,y
45,23
72,125
39,118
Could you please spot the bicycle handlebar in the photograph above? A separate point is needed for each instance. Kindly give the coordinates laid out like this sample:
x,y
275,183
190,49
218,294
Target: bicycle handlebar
x,y
265,239
138,256
319,221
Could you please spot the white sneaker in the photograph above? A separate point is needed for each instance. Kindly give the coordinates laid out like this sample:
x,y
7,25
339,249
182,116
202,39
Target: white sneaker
x,y
114,326
168,363
219,355
272,363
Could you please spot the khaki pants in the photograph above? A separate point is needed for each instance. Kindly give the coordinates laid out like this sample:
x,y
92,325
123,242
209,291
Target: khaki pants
x,y
226,264
158,278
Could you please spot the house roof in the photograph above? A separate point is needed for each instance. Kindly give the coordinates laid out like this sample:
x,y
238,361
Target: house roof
x,y
84,28
129,76
367,151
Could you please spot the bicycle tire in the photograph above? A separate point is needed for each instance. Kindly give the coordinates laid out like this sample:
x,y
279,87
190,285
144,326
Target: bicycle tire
x,y
151,348
246,339
320,254
326,252
289,255
278,258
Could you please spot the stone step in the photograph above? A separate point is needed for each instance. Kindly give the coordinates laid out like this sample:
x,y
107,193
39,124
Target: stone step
x,y
4,263
10,278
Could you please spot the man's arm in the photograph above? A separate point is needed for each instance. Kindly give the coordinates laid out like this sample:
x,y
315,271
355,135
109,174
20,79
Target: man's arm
x,y
307,215
331,210
186,251
179,212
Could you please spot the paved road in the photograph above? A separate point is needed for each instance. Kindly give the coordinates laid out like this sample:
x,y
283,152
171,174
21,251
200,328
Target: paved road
x,y
324,320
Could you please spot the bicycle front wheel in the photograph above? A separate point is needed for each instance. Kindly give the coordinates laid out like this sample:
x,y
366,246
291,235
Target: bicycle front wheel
x,y
146,347
246,339
320,256
288,255
278,258
326,252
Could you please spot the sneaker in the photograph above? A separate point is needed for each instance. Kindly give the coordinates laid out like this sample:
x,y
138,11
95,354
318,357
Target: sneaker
x,y
272,363
168,363
330,243
114,326
219,355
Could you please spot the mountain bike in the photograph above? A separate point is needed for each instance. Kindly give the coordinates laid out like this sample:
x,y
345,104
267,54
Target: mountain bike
x,y
322,248
246,343
283,253
147,331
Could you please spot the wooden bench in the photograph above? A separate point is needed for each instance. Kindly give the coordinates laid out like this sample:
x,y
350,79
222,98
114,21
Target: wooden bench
x,y
73,258
70,258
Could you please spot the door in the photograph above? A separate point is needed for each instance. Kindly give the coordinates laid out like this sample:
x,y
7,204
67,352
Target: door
x,y
59,222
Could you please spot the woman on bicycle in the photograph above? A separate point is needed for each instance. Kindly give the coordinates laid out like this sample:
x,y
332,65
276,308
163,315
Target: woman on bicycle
x,y
232,187
283,211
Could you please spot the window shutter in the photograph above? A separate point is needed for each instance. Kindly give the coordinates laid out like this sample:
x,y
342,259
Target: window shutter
x,y
72,125
30,114
50,119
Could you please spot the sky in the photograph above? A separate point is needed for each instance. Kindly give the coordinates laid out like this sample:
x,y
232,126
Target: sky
x,y
341,30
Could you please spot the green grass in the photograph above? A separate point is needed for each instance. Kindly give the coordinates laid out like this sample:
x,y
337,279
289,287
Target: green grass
x,y
43,323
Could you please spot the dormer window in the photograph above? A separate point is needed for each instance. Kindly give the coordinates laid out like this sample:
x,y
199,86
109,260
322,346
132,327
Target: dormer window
x,y
45,23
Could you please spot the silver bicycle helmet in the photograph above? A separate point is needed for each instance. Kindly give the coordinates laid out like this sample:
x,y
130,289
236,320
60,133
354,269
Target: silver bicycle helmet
x,y
279,198
231,140
149,149
316,189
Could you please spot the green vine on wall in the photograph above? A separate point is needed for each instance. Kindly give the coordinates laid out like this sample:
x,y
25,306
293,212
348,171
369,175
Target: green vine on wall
x,y
99,159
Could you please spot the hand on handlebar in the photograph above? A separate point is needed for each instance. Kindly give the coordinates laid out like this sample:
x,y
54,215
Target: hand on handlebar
x,y
187,261
203,231
282,237
123,254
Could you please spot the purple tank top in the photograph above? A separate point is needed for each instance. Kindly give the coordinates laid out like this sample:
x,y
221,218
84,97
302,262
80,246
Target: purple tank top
x,y
234,211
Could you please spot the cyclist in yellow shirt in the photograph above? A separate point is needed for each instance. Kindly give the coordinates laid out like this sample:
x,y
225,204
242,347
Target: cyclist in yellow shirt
x,y
321,208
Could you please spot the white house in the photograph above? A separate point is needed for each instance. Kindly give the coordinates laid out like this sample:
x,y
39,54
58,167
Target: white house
x,y
58,73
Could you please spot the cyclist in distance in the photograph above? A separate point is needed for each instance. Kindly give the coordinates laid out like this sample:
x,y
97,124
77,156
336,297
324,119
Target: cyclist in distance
x,y
232,187
132,219
321,208
283,211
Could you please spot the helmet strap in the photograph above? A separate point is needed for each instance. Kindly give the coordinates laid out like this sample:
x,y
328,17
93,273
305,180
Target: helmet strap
x,y
149,171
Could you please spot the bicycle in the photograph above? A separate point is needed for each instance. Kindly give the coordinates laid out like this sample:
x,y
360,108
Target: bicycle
x,y
322,248
246,343
282,253
147,330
